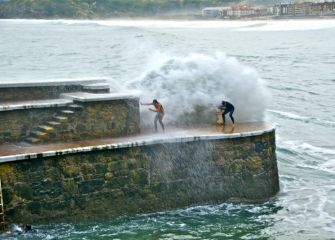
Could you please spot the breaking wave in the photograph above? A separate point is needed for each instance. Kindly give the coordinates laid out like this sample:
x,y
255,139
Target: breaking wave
x,y
192,87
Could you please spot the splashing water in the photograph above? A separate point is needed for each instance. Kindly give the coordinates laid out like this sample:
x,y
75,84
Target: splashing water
x,y
192,87
295,64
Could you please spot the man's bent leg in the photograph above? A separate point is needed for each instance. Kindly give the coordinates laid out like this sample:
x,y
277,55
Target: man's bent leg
x,y
231,116
224,117
161,122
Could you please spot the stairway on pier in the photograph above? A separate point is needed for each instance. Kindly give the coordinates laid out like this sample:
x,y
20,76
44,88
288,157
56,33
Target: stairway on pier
x,y
48,130
66,107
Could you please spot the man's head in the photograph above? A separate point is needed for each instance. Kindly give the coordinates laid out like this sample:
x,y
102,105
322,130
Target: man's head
x,y
27,228
155,101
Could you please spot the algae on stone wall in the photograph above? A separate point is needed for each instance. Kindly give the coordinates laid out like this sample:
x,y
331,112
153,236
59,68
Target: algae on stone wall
x,y
18,124
157,177
95,120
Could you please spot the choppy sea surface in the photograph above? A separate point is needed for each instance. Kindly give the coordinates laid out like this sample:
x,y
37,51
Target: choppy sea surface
x,y
283,71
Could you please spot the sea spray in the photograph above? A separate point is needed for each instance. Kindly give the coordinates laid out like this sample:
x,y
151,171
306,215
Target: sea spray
x,y
197,169
190,88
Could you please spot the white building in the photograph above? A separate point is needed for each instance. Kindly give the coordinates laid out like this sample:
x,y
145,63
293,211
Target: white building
x,y
233,12
241,11
213,12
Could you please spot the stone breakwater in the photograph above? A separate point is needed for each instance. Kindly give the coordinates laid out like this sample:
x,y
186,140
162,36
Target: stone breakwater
x,y
65,116
94,119
139,176
23,91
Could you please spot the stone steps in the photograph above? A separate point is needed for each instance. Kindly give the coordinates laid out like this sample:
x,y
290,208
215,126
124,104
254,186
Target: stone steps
x,y
44,131
47,129
76,107
67,112
32,140
53,123
39,135
61,119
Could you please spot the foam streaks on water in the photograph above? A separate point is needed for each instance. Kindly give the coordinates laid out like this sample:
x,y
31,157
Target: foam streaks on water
x,y
200,222
294,57
293,116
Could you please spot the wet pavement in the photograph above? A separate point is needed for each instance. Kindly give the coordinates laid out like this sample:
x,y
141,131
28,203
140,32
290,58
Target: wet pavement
x,y
145,135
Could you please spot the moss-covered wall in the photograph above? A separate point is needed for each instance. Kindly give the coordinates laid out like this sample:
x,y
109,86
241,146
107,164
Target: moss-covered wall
x,y
93,120
112,118
106,183
15,125
14,94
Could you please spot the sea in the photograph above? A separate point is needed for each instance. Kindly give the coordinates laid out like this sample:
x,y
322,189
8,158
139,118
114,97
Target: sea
x,y
280,71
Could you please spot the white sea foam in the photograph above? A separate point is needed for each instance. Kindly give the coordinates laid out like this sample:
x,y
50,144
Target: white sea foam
x,y
289,25
304,205
140,23
183,84
329,165
306,148
325,154
317,150
254,25
288,115
307,191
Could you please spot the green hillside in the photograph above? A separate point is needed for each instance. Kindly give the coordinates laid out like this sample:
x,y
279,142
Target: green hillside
x,y
102,8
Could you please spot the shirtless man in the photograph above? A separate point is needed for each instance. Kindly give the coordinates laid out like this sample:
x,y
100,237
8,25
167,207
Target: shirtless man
x,y
159,113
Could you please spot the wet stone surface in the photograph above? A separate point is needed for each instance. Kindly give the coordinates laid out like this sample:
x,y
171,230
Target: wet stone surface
x,y
60,123
146,135
213,166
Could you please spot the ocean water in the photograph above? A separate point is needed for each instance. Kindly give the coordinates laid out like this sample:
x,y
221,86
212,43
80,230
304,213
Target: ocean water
x,y
282,71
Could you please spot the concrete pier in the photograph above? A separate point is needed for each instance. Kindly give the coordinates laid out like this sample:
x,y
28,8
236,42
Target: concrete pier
x,y
21,151
72,150
149,172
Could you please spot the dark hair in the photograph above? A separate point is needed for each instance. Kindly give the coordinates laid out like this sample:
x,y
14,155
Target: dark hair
x,y
27,227
154,101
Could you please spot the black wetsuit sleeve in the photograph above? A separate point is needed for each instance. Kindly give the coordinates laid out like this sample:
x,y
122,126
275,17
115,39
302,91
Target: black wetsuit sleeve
x,y
229,105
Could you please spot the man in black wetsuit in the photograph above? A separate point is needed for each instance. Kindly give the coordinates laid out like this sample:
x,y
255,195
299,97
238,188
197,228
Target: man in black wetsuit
x,y
227,107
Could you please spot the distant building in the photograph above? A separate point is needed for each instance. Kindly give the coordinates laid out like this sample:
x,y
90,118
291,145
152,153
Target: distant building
x,y
300,9
233,12
241,11
304,9
324,8
213,12
280,9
